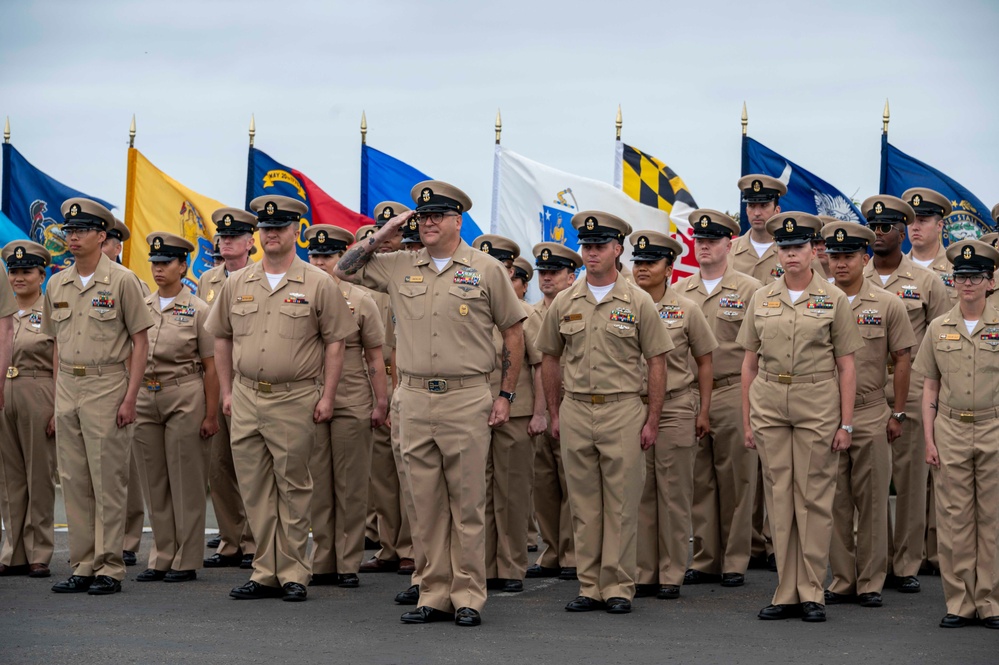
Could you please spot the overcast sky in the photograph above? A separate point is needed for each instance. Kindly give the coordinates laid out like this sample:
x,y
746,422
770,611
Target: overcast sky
x,y
431,76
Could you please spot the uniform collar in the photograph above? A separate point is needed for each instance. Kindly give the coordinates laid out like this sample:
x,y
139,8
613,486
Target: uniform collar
x,y
183,299
867,293
728,281
35,306
462,254
818,286
295,273
102,274
744,243
905,270
620,291
990,317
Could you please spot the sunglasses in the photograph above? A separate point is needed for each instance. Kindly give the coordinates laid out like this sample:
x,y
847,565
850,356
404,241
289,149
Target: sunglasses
x,y
883,228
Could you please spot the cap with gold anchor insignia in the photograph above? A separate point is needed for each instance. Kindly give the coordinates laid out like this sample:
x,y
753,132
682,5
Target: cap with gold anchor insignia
x,y
364,232
326,239
25,254
234,221
411,231
119,231
522,269
759,188
438,196
81,213
845,237
386,210
793,228
274,212
653,246
707,224
598,228
972,256
885,209
165,247
554,256
498,247
926,202
990,239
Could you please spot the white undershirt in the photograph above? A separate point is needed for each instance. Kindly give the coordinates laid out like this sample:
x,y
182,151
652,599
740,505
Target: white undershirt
x,y
274,279
795,295
760,247
851,299
165,302
600,292
970,325
884,278
21,312
711,284
86,280
440,263
920,262
831,280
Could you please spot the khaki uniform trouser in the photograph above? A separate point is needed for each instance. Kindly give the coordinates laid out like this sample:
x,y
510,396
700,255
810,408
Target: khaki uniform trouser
x,y
27,471
794,434
444,441
762,542
406,491
135,512
551,504
725,479
341,466
235,536
273,436
94,457
174,458
909,473
387,500
664,512
862,487
967,491
509,471
605,472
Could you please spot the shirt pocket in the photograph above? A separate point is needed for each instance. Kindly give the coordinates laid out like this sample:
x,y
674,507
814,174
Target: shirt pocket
x,y
61,321
815,324
243,316
103,324
413,303
572,333
768,322
463,301
622,340
728,324
948,355
987,357
293,320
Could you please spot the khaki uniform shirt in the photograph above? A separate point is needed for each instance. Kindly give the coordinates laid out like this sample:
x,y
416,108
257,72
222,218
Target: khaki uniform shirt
x,y
804,337
725,310
280,335
384,304
32,348
603,343
922,293
178,339
355,387
944,270
8,303
444,320
766,268
524,404
885,328
210,284
93,324
967,365
691,336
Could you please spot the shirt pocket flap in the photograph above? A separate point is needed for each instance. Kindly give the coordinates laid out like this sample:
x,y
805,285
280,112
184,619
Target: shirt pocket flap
x,y
412,290
465,292
621,330
571,327
244,308
294,311
60,314
104,315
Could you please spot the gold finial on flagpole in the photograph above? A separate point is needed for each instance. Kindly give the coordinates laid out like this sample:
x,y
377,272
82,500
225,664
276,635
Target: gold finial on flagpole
x,y
253,129
618,123
885,117
364,128
131,133
745,119
6,131
499,126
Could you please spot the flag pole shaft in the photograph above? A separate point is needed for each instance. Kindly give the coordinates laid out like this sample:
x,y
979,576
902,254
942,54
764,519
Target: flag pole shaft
x,y
618,123
499,126
131,133
364,129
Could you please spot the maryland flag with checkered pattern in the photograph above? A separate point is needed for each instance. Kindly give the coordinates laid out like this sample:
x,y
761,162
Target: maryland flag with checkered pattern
x,y
651,182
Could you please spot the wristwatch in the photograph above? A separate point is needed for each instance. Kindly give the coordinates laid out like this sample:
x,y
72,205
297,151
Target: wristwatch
x,y
900,417
847,428
509,396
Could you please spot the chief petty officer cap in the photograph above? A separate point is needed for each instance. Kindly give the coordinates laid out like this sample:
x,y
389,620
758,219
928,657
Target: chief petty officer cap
x,y
885,209
522,268
553,256
972,256
598,228
995,213
845,237
326,239
707,223
926,202
386,210
793,228
990,239
364,232
411,231
214,253
165,247
498,247
25,254
234,222
653,245
119,231
759,188
81,213
274,212
438,196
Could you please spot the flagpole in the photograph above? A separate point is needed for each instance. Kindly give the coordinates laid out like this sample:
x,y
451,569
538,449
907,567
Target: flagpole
x,y
745,164
364,163
131,133
249,163
5,180
885,118
618,122
126,252
499,126
618,151
6,130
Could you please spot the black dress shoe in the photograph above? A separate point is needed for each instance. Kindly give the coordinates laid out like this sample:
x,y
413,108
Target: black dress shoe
x,y
954,621
567,574
410,596
371,544
535,571
697,577
618,606
324,579
646,590
891,581
732,579
6,571
39,570
255,591
759,563
75,584
494,583
833,598
908,584
293,592
150,575
223,561
772,563
426,615
104,586
778,612
667,592
213,542
349,581
181,576
869,599
928,568
991,622
584,604
466,616
247,562
532,548
376,565
511,586
128,556
813,612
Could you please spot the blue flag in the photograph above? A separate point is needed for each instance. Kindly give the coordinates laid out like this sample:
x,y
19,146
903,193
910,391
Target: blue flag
x,y
31,201
385,178
9,231
899,172
806,192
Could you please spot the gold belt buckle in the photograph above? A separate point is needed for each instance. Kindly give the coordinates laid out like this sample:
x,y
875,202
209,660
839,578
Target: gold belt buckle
x,y
784,378
967,417
264,387
154,386
79,370
597,399
388,369
437,385
12,372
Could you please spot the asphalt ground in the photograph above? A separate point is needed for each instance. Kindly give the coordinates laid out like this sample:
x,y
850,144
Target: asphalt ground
x,y
196,622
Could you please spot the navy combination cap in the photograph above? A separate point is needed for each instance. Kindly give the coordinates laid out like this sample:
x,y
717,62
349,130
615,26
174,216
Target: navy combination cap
x,y
234,221
653,246
884,209
386,210
164,247
707,224
277,211
759,188
81,213
437,196
598,228
25,254
972,256
793,228
846,237
327,239
555,256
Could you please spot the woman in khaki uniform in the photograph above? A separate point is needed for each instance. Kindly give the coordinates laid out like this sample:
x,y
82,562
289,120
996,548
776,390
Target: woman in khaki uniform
x,y
176,415
799,343
341,459
27,430
664,511
960,363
